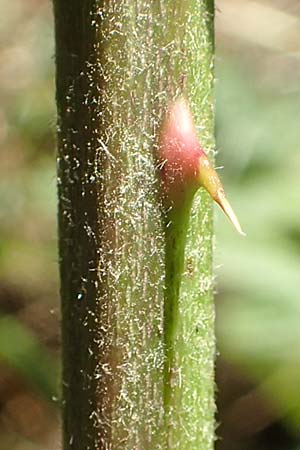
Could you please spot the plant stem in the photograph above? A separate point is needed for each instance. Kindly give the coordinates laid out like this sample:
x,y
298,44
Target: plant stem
x,y
118,65
189,337
175,234
189,310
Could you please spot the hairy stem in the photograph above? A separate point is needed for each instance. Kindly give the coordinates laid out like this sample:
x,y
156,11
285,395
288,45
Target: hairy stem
x,y
119,63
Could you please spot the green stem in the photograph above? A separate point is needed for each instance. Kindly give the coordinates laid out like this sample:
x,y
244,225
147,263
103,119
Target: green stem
x,y
175,236
188,328
119,63
189,311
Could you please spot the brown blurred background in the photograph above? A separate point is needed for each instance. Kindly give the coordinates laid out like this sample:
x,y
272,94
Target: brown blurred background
x,y
258,302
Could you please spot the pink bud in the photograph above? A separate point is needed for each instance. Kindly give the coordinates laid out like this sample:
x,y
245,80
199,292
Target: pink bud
x,y
184,166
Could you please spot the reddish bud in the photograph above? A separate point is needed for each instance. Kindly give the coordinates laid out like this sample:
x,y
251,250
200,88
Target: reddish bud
x,y
184,166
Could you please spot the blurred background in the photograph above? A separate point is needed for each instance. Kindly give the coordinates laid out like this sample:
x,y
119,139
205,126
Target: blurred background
x,y
258,303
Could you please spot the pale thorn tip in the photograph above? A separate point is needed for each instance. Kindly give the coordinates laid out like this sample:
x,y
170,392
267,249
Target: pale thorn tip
x,y
226,207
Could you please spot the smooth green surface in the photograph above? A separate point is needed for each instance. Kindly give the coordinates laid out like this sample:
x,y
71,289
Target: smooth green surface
x,y
176,231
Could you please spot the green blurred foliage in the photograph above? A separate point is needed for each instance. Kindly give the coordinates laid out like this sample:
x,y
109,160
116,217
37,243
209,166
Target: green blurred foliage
x,y
29,359
20,349
258,277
